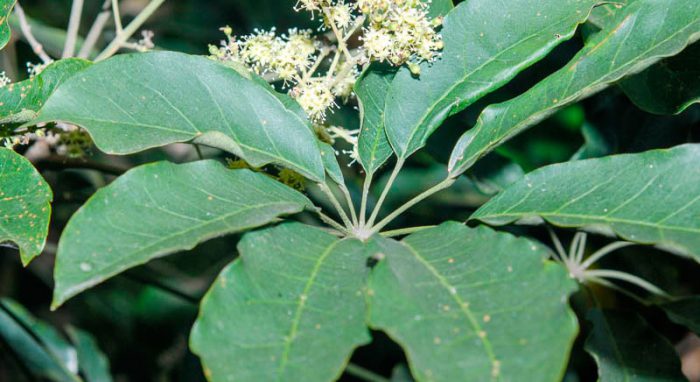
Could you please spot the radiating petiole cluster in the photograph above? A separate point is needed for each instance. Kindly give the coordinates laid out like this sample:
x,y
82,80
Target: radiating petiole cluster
x,y
580,268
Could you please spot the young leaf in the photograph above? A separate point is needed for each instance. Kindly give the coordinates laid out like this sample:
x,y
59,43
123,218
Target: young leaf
x,y
25,205
483,51
158,209
291,308
650,198
134,102
20,102
642,34
670,86
684,311
36,344
5,11
473,305
371,88
627,349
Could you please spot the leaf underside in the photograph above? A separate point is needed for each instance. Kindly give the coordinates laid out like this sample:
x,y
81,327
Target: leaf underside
x,y
650,198
159,209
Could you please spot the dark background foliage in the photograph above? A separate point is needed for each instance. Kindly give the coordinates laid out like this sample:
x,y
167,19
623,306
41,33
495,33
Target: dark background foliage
x,y
142,318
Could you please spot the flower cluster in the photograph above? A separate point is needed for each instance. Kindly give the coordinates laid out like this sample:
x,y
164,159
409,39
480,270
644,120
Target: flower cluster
x,y
394,31
399,31
284,56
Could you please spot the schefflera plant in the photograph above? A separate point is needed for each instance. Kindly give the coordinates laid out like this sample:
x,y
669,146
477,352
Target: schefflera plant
x,y
466,304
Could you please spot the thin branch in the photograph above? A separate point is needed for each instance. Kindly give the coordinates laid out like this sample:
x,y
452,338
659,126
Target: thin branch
x,y
406,231
328,220
447,183
632,279
76,14
336,204
123,36
27,32
117,16
365,195
96,30
397,168
557,244
599,254
351,205
363,374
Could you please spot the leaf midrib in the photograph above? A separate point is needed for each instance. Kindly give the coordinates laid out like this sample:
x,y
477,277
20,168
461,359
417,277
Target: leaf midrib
x,y
289,339
455,296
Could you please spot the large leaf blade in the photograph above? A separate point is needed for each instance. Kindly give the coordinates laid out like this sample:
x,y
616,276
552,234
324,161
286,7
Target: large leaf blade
x,y
468,304
627,349
651,198
158,209
373,146
643,33
482,52
133,102
290,309
25,205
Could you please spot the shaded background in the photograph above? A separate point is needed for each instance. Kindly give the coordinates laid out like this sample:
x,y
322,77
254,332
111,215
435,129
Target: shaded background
x,y
141,319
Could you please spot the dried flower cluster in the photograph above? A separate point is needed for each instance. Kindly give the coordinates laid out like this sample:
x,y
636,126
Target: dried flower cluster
x,y
394,31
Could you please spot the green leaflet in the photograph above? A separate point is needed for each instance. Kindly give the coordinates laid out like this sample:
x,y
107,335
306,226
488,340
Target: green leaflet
x,y
650,198
292,308
669,87
158,209
371,88
133,102
93,363
20,102
469,305
645,32
5,11
483,51
626,349
684,311
25,205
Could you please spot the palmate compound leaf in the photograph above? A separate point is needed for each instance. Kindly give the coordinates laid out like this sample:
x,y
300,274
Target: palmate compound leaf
x,y
25,205
20,102
473,305
483,51
642,33
134,102
161,208
650,198
627,349
5,11
291,308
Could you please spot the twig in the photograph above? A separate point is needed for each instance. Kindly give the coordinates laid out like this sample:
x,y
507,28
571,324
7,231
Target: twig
x,y
96,30
117,16
435,189
27,32
365,195
406,231
336,204
385,192
124,35
76,14
364,374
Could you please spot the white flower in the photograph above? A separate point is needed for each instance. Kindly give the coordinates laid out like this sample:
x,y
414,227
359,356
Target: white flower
x,y
315,98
